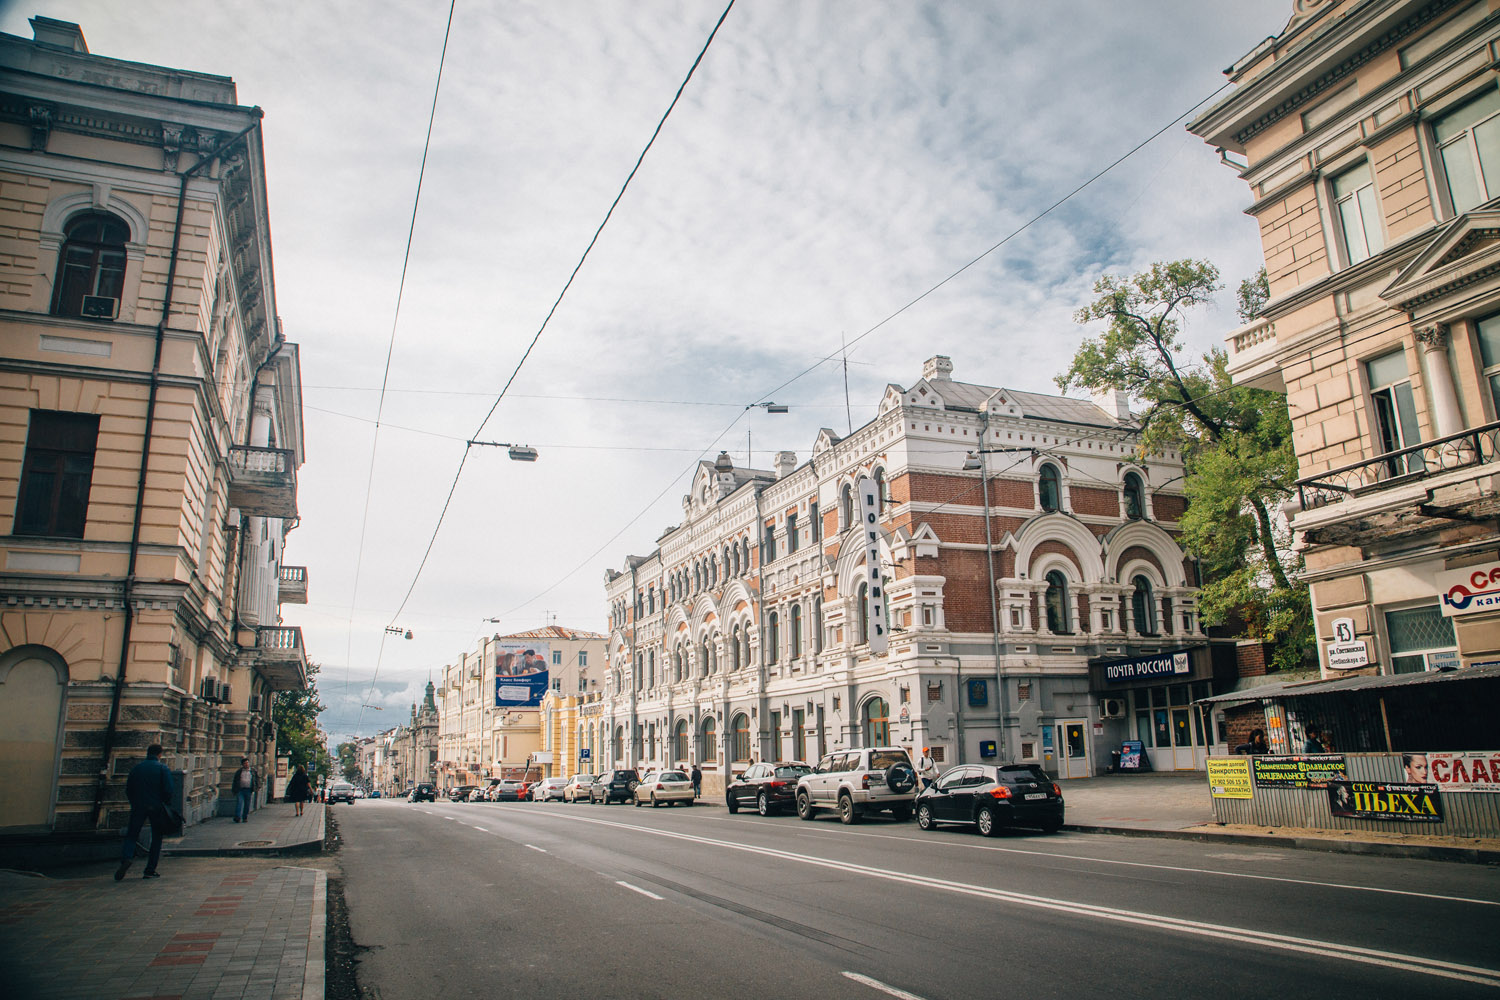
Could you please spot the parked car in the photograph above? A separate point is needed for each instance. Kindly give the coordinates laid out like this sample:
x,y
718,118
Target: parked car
x,y
615,786
420,793
460,793
769,788
523,794
992,797
577,788
478,793
375,794
670,787
858,782
549,789
341,791
505,790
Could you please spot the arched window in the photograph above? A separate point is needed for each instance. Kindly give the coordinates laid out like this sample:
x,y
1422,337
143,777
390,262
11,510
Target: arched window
x,y
680,741
619,750
879,490
92,263
1135,497
862,611
677,665
1143,605
1050,484
651,741
817,625
740,751
640,673
710,748
773,637
846,506
713,570
745,554
1059,621
650,668
703,659
877,723
795,628
724,561
734,650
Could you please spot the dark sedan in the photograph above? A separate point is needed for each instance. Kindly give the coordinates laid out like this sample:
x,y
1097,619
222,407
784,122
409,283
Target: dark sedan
x,y
768,788
460,793
992,797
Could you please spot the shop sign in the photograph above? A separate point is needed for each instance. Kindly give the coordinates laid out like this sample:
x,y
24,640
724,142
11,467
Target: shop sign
x,y
1385,800
1464,772
1299,771
1131,754
1465,591
1165,665
875,592
1348,655
1229,778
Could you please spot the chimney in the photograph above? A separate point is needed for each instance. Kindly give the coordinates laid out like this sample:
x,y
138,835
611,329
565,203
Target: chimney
x,y
938,368
1114,402
58,34
786,461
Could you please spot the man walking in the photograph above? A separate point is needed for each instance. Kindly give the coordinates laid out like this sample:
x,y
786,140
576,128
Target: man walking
x,y
245,782
697,777
149,789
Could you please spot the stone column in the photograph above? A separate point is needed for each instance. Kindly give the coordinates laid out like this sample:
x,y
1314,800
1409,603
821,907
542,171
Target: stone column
x,y
1446,417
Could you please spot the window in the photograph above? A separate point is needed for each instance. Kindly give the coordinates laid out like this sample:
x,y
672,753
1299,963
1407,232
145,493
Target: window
x,y
1489,356
814,523
1143,606
768,547
1468,143
817,625
1395,409
56,473
1050,487
557,657
680,740
1135,497
710,747
862,635
734,650
745,554
877,723
741,749
879,491
773,637
583,658
795,627
1358,216
1421,639
92,263
1058,619
846,506
619,743
791,532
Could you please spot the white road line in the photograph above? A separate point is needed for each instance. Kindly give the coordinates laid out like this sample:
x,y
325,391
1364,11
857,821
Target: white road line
x,y
481,829
1169,868
882,987
636,888
535,848
1140,918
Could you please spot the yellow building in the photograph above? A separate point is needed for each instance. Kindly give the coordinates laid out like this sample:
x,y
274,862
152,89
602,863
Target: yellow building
x,y
150,433
1366,131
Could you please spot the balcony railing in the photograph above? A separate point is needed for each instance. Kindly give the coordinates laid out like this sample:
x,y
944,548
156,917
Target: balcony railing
x,y
280,657
1476,446
263,481
292,585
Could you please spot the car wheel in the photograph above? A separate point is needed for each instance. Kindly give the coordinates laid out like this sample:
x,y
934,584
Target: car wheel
x,y
804,806
654,803
763,804
985,820
924,817
637,803
732,804
848,814
902,813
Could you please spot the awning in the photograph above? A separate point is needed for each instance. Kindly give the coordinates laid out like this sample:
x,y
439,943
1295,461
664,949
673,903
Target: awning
x,y
1300,689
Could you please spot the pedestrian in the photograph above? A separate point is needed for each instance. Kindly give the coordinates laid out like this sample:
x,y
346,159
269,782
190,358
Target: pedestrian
x,y
149,789
1315,741
245,782
299,789
1255,745
697,777
927,768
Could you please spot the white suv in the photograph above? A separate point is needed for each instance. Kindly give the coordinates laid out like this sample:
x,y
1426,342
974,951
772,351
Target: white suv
x,y
859,781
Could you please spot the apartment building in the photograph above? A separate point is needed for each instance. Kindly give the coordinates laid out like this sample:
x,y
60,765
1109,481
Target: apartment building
x,y
150,435
1366,131
1024,547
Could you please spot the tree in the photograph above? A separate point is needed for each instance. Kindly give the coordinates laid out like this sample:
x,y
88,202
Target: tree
x,y
1236,444
349,761
297,735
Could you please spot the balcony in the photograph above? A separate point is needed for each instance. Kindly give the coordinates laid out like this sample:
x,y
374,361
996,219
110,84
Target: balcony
x,y
279,657
263,481
1404,492
292,585
1252,356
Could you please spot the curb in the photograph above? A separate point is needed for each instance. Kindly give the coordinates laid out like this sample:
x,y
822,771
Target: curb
x,y
313,980
1429,852
271,851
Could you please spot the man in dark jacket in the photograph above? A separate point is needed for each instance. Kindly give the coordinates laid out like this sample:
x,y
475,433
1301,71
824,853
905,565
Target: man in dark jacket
x,y
149,789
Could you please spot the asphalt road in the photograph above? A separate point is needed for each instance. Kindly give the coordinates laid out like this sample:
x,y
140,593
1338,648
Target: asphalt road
x,y
561,900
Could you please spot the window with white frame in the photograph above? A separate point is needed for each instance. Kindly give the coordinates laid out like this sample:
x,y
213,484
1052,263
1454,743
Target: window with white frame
x,y
1468,142
1395,407
1360,233
1421,639
1488,333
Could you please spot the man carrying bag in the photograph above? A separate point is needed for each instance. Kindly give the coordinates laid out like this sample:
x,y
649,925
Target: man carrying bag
x,y
149,789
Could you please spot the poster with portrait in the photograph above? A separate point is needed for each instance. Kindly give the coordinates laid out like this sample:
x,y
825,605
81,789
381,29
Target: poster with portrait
x,y
521,673
1385,800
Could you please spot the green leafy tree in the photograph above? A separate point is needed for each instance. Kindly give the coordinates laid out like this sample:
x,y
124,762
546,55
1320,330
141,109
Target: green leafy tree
x,y
1236,443
349,761
297,735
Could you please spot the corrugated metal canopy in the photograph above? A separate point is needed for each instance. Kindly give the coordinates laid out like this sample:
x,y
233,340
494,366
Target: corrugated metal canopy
x,y
1302,689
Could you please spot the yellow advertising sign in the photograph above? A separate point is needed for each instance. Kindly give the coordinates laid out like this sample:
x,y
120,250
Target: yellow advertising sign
x,y
1229,777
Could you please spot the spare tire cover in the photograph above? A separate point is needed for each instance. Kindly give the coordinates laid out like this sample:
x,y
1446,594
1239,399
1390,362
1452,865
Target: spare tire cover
x,y
900,778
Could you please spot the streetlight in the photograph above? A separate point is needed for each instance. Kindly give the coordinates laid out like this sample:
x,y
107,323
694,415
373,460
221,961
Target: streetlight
x,y
517,452
398,630
769,407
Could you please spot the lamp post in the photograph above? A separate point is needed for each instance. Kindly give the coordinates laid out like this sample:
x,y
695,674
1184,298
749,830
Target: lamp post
x,y
769,407
517,452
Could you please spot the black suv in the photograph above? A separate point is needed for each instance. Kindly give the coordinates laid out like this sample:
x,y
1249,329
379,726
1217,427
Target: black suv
x,y
422,793
614,786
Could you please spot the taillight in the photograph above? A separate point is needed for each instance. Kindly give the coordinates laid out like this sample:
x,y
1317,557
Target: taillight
x,y
865,782
1057,789
660,787
1000,792
776,784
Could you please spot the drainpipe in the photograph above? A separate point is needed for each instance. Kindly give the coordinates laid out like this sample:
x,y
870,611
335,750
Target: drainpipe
x,y
760,621
1002,698
140,486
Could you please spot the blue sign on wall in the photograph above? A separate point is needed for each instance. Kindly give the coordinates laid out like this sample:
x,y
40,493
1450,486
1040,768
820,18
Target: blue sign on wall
x,y
987,748
979,693
584,753
520,690
1165,665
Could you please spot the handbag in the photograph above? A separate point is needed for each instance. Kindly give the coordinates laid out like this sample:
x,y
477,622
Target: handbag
x,y
172,822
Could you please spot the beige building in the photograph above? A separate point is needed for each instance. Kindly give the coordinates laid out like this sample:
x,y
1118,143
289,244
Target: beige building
x,y
1367,132
150,433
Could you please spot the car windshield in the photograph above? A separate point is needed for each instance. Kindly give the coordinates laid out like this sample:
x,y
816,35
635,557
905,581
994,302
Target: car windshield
x,y
793,771
671,776
1011,773
882,759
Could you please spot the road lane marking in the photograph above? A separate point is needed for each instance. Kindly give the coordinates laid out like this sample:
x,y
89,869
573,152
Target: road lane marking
x,y
535,848
882,987
481,829
636,888
1223,932
1169,868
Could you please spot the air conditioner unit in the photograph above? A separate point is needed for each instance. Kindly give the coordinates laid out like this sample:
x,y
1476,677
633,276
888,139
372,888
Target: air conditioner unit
x,y
209,690
1112,708
224,693
99,307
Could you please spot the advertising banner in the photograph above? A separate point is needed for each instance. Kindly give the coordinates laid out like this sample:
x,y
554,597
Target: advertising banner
x,y
1300,771
1465,591
521,673
875,594
1386,800
1229,778
1477,771
1133,756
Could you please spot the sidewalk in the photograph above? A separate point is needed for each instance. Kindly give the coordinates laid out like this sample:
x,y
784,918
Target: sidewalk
x,y
226,920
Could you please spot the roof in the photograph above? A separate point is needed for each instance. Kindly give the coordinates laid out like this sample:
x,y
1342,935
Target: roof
x,y
554,632
1301,689
1035,405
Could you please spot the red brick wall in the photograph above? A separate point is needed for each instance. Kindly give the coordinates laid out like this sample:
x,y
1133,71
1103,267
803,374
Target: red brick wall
x,y
1054,548
1250,658
1169,508
966,599
1145,554
1017,493
1094,502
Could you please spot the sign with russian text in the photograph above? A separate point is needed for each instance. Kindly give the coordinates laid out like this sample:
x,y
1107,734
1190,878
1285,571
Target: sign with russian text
x,y
1165,665
1348,655
1465,591
1464,772
1229,778
869,519
1385,800
521,673
1300,771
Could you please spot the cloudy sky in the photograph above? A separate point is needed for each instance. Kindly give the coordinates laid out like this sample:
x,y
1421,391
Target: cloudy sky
x,y
830,161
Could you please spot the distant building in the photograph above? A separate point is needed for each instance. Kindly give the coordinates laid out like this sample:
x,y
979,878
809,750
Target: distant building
x,y
150,435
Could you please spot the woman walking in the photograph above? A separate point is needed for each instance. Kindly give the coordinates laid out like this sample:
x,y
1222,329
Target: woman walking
x,y
299,789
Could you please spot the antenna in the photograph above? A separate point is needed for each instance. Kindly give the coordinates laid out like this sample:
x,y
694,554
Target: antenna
x,y
844,351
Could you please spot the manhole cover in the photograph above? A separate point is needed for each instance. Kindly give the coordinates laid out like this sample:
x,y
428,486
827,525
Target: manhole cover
x,y
255,843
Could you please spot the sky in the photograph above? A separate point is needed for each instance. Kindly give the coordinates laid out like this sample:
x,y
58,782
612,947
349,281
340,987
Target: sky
x,y
829,162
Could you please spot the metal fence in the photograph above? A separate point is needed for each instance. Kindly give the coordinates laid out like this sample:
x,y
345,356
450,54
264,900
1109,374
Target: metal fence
x,y
1465,813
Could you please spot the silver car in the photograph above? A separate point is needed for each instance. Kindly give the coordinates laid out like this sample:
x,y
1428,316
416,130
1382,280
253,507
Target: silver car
x,y
549,789
670,787
577,788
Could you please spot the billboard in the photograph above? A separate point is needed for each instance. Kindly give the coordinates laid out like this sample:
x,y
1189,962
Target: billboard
x,y
521,673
